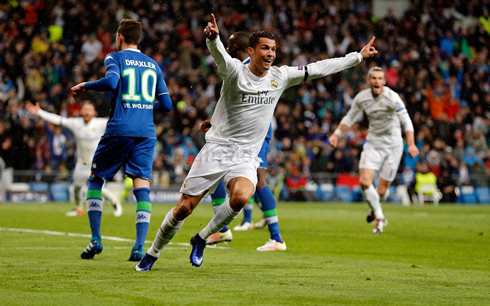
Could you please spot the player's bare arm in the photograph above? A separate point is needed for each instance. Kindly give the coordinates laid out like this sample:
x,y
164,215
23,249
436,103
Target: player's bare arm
x,y
334,138
211,31
412,148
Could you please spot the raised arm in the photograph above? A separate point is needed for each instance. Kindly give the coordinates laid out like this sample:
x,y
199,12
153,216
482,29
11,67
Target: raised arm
x,y
319,69
224,61
330,66
36,110
345,123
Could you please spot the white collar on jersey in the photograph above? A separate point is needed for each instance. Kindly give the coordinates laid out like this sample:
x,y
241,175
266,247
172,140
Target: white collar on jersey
x,y
131,49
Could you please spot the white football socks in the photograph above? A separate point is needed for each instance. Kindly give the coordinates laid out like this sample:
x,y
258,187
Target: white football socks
x,y
372,197
223,217
109,195
385,197
165,233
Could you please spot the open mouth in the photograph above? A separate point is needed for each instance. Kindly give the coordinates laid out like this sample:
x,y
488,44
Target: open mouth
x,y
268,61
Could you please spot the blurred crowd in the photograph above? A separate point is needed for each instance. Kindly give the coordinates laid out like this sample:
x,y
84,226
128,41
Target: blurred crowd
x,y
436,56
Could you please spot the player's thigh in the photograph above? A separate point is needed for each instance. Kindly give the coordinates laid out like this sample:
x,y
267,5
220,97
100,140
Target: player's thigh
x,y
241,191
140,160
206,172
111,154
81,174
246,170
391,163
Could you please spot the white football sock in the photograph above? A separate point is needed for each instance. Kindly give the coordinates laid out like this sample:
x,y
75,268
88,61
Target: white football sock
x,y
385,197
165,233
107,194
223,217
372,197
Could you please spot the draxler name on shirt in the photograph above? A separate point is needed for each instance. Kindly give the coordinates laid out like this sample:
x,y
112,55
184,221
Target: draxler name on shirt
x,y
140,64
138,105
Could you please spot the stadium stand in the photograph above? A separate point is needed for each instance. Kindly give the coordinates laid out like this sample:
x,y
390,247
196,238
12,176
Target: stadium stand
x,y
436,57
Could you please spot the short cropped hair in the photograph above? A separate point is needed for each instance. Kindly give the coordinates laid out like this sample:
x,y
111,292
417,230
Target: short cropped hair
x,y
375,68
131,30
254,39
88,102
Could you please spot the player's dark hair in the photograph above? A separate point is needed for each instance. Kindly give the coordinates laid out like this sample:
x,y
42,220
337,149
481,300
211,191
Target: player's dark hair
x,y
88,102
131,30
254,39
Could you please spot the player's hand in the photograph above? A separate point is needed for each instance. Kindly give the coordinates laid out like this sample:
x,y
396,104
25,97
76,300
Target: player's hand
x,y
32,109
369,50
205,125
211,31
78,90
333,140
413,150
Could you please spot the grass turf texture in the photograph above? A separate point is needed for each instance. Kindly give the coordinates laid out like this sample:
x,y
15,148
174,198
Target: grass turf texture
x,y
427,255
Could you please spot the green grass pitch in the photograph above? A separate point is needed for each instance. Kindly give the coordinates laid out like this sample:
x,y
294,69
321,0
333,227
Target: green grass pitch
x,y
427,255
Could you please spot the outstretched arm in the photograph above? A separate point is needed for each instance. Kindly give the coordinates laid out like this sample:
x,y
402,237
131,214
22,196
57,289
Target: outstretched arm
x,y
37,111
330,66
224,61
105,84
319,69
109,82
346,122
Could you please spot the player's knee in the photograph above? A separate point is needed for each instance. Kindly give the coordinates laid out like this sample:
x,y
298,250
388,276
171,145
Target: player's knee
x,y
184,208
365,183
381,191
261,183
238,201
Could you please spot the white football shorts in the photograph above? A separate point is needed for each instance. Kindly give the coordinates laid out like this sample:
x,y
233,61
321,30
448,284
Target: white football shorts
x,y
81,174
384,160
215,162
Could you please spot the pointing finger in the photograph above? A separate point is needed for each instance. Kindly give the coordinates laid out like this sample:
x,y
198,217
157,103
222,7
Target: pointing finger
x,y
214,20
371,41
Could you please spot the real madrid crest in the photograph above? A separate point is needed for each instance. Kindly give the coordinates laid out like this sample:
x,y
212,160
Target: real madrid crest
x,y
274,84
185,184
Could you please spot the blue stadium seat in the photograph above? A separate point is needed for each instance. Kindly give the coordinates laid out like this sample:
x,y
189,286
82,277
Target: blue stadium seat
x,y
468,194
326,192
483,194
60,192
38,187
357,195
344,193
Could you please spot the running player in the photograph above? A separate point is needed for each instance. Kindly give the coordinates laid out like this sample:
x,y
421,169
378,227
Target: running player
x,y
237,47
239,124
87,131
129,140
383,149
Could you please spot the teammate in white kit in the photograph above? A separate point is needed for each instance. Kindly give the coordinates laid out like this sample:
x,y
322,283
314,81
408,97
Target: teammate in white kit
x,y
87,131
383,149
239,125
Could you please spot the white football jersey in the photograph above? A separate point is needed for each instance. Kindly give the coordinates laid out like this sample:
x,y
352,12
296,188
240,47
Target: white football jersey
x,y
246,106
87,135
383,113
